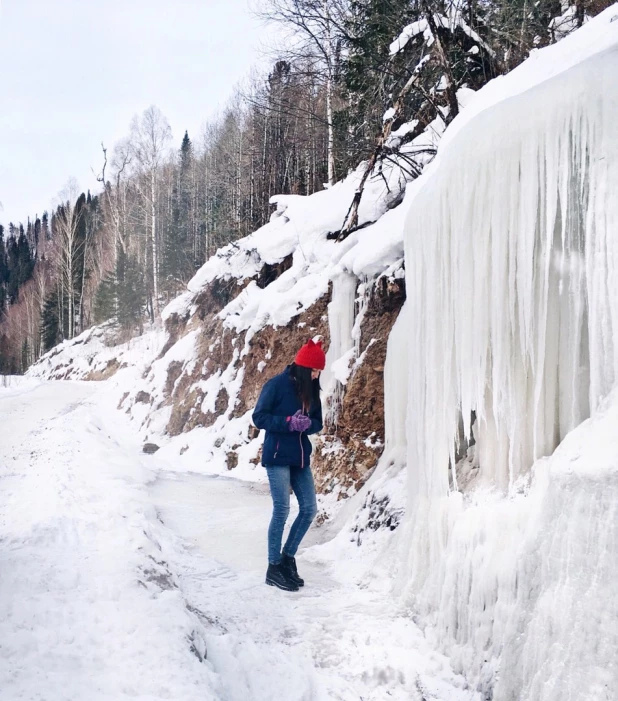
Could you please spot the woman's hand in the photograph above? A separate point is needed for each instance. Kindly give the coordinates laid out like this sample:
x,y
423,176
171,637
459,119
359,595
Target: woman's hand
x,y
299,422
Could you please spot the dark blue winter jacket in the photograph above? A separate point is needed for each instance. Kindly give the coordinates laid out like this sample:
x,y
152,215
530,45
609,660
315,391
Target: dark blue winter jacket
x,y
277,403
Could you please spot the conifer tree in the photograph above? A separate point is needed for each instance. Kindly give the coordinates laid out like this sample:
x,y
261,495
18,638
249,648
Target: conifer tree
x,y
3,273
131,296
106,299
51,330
179,255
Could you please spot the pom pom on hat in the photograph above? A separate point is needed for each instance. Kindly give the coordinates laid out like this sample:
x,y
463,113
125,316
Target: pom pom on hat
x,y
311,356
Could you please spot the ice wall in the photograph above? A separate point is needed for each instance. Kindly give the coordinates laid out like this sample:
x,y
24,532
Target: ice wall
x,y
519,592
512,273
512,281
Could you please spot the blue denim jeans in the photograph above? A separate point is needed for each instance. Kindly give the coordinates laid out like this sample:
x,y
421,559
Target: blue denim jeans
x,y
300,480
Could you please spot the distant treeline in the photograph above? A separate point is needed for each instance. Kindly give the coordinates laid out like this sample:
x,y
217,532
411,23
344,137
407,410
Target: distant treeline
x,y
357,71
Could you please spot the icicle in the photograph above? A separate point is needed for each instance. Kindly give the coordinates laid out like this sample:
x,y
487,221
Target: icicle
x,y
340,324
364,295
512,267
512,282
396,384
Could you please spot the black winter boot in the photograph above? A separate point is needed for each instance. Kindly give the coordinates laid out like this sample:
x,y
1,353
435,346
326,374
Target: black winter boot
x,y
277,576
288,565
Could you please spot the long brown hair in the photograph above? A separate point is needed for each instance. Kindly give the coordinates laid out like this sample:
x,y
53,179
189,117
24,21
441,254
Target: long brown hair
x,y
308,390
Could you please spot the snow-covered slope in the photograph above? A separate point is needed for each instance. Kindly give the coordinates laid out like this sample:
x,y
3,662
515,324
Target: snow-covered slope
x,y
244,315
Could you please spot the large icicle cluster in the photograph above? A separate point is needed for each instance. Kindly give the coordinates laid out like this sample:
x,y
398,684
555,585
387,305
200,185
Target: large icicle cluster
x,y
512,279
512,273
341,347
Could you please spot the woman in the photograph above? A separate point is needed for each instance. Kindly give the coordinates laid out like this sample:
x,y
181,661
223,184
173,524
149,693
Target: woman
x,y
289,409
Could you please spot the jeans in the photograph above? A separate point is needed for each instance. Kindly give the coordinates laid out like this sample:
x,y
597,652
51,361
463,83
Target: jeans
x,y
300,480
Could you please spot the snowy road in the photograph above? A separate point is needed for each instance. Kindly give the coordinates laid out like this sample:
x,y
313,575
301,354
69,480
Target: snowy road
x,y
333,640
99,600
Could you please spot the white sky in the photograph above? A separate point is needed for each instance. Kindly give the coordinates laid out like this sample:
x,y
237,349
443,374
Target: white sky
x,y
74,72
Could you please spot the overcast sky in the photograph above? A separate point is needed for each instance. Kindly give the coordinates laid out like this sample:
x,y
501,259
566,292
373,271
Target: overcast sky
x,y
74,72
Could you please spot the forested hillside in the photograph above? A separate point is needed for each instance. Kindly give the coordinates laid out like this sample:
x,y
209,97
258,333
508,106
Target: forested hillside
x,y
358,81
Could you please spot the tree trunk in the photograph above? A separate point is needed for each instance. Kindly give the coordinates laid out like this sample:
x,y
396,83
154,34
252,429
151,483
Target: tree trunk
x,y
351,219
153,244
331,133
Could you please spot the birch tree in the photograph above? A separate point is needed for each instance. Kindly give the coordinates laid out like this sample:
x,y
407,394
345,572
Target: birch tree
x,y
65,231
150,138
317,27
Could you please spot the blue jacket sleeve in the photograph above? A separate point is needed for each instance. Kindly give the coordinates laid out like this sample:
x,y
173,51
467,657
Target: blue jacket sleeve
x,y
262,414
316,418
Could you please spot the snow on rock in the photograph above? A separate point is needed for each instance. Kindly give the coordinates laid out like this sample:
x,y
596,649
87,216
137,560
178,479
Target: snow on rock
x,y
512,281
96,354
301,229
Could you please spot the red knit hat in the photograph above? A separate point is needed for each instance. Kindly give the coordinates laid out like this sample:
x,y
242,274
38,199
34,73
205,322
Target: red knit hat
x,y
311,356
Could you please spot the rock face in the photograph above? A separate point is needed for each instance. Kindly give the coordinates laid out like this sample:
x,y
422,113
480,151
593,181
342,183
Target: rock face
x,y
349,449
221,383
192,385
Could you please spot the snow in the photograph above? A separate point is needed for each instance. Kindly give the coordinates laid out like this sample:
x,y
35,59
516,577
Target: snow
x,y
341,368
95,350
88,607
16,384
119,575
183,352
567,22
332,640
454,21
397,135
409,32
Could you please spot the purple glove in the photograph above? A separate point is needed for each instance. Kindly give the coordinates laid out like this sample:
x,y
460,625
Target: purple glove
x,y
299,422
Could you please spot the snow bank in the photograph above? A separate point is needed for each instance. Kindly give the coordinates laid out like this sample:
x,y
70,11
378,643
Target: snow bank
x,y
89,609
11,385
97,354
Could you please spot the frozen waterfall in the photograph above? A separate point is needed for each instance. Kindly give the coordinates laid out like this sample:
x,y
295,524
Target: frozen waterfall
x,y
341,348
512,284
512,273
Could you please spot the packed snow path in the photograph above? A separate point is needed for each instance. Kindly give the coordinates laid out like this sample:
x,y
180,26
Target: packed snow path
x,y
100,599
332,640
